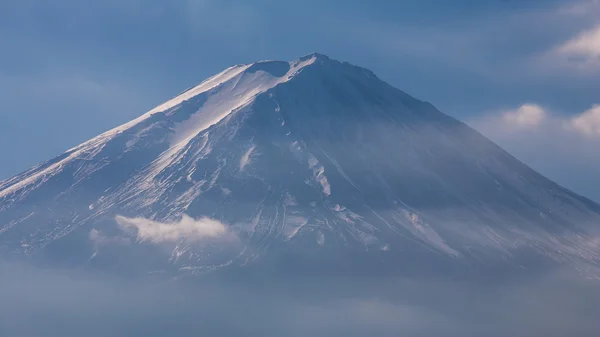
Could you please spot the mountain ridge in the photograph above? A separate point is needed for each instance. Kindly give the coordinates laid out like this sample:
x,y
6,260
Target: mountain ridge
x,y
310,157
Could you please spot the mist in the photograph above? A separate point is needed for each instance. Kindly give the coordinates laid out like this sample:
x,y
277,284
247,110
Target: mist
x,y
49,302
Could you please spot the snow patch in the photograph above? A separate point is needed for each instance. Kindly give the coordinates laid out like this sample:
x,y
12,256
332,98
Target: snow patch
x,y
294,224
423,231
320,238
340,170
319,174
245,160
242,83
208,84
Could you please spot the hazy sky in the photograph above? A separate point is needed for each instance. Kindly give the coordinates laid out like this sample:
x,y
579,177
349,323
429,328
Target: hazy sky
x,y
525,73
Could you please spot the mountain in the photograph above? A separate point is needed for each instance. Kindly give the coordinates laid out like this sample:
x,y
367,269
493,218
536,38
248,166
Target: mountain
x,y
308,160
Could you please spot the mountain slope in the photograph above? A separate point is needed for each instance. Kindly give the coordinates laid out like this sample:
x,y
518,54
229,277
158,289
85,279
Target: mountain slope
x,y
313,158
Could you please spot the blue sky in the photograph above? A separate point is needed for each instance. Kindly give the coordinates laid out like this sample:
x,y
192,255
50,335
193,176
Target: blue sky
x,y
525,73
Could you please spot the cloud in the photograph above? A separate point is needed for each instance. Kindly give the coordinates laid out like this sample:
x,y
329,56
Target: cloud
x,y
588,123
77,303
531,115
562,147
527,115
186,229
584,48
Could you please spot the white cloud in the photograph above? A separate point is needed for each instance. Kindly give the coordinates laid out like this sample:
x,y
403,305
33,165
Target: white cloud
x,y
187,229
588,123
527,115
584,48
564,148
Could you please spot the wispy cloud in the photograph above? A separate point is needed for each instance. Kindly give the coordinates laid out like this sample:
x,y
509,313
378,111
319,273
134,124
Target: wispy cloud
x,y
533,116
583,50
588,123
187,229
529,120
527,115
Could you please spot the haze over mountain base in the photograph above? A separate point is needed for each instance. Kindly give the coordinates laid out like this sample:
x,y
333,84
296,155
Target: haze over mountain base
x,y
64,302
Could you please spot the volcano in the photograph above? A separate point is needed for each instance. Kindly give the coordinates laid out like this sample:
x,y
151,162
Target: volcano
x,y
308,160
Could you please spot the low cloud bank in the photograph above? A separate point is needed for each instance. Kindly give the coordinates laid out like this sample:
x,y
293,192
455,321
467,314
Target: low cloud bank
x,y
188,229
532,117
53,302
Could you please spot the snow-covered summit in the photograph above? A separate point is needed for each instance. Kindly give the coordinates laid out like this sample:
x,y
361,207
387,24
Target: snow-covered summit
x,y
220,95
229,90
311,157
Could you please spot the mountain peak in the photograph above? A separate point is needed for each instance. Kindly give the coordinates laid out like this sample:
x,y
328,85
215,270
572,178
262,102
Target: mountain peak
x,y
313,156
317,56
281,68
